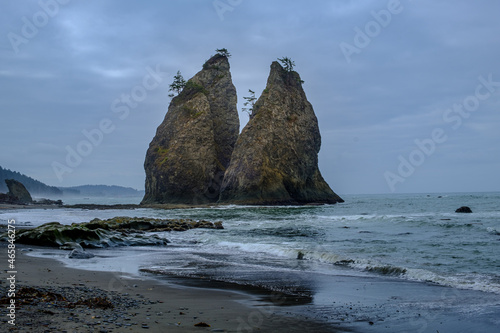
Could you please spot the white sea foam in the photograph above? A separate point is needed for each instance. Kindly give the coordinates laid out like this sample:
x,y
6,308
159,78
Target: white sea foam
x,y
494,231
462,281
416,238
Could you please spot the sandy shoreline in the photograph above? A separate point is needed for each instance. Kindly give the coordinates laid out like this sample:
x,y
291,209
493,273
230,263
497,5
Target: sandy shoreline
x,y
139,303
160,303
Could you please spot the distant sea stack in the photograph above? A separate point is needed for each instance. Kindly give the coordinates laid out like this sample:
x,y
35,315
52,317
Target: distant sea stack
x,y
18,192
186,160
275,160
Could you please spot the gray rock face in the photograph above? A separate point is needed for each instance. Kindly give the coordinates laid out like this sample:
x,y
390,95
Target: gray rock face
x,y
80,254
463,209
186,160
275,160
17,190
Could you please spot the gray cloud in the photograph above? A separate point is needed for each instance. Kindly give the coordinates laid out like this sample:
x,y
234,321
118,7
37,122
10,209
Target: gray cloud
x,y
65,78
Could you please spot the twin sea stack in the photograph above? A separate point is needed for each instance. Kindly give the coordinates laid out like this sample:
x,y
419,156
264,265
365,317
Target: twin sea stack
x,y
197,156
187,158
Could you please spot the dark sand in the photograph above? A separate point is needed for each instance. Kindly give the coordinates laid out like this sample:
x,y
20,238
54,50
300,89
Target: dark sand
x,y
140,304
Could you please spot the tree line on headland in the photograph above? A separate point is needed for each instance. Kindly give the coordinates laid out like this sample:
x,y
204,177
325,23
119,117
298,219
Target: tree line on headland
x,y
38,188
34,186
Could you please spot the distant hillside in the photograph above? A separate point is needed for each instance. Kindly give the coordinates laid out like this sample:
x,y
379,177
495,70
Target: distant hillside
x,y
101,191
34,186
38,188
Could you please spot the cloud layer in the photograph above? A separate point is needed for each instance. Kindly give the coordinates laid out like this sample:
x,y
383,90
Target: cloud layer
x,y
380,76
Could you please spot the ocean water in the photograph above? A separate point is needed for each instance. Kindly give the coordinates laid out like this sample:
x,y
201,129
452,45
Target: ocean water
x,y
413,239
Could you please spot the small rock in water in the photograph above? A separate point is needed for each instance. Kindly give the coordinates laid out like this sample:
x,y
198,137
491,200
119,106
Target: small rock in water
x,y
463,209
77,254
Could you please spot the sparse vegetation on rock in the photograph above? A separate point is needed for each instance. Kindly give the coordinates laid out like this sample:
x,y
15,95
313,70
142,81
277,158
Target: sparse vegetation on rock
x,y
250,103
177,85
223,52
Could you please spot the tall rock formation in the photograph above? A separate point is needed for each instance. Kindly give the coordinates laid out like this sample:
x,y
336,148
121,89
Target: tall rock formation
x,y
18,192
275,160
186,160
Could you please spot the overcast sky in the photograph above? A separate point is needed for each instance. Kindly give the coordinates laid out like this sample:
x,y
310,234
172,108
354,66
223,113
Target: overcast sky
x,y
407,93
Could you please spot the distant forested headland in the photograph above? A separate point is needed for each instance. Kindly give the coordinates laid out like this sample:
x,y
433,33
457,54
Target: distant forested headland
x,y
38,188
32,185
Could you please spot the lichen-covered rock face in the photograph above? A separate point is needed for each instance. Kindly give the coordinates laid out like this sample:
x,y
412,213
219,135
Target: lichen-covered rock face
x,y
275,160
17,190
186,160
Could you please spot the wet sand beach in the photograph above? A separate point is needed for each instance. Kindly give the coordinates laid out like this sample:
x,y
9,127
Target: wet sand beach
x,y
54,298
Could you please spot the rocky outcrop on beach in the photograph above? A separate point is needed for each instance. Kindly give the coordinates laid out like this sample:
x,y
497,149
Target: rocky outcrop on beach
x,y
55,234
80,254
17,193
187,158
118,231
77,251
275,160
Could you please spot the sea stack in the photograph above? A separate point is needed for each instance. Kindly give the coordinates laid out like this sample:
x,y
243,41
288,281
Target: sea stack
x,y
18,192
187,158
275,160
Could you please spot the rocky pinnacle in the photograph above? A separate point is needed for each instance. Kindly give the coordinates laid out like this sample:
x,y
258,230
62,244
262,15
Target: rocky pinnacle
x,y
187,158
275,160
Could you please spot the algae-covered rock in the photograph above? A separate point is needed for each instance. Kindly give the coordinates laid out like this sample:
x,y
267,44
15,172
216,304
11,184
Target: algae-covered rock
x,y
187,158
118,231
56,234
275,160
150,224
